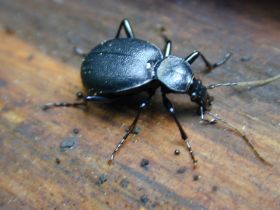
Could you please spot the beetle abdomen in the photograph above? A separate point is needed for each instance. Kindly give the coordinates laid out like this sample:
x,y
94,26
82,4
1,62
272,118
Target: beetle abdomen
x,y
119,65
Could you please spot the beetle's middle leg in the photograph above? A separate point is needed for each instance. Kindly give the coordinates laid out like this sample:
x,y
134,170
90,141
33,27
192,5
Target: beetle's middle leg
x,y
131,128
193,56
125,24
170,108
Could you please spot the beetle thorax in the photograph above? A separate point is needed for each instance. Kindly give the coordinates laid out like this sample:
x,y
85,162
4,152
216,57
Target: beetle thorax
x,y
175,74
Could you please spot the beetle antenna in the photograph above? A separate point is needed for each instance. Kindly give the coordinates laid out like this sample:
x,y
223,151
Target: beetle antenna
x,y
238,132
248,84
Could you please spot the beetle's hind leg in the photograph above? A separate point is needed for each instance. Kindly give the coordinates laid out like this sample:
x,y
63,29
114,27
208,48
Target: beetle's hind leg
x,y
193,56
125,24
82,101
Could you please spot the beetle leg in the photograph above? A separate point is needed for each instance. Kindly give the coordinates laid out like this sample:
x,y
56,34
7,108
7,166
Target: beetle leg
x,y
168,43
96,98
130,130
203,119
125,24
167,48
193,56
100,99
63,104
170,108
80,96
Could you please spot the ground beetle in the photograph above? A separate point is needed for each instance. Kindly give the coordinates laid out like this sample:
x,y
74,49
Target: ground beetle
x,y
127,66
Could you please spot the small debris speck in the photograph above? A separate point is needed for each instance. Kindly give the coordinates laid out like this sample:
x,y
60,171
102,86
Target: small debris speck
x,y
68,143
245,58
57,161
144,199
30,57
9,30
196,177
214,188
76,130
78,51
177,152
145,164
103,178
124,183
181,170
79,95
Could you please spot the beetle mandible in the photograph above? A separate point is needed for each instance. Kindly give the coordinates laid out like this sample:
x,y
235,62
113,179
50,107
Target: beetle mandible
x,y
128,66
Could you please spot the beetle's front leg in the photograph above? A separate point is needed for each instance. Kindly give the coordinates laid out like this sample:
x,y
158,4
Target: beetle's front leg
x,y
203,119
193,56
125,24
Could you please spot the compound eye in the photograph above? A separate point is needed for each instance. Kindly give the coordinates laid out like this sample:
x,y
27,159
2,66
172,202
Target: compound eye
x,y
193,96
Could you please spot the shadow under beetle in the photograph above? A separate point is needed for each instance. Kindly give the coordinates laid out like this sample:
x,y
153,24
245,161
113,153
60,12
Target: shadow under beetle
x,y
127,66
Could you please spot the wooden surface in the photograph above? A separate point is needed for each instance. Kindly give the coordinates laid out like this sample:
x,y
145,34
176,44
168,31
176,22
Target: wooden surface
x,y
37,65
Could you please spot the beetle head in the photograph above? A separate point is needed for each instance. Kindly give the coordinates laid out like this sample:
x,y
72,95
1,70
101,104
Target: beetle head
x,y
199,94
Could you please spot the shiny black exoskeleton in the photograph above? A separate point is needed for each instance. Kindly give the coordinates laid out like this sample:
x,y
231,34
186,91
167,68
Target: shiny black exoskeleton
x,y
127,66
123,66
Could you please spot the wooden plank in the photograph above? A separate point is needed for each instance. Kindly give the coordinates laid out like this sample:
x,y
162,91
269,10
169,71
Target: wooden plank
x,y
38,66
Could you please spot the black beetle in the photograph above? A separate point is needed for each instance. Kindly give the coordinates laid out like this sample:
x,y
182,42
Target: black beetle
x,y
127,66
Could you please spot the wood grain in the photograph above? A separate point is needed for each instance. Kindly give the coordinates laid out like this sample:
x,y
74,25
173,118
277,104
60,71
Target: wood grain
x,y
37,65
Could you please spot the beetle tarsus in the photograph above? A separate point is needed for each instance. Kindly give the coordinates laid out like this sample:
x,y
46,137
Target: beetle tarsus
x,y
203,119
196,54
222,61
63,104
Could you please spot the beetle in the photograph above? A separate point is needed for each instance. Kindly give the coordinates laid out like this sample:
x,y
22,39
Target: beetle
x,y
128,66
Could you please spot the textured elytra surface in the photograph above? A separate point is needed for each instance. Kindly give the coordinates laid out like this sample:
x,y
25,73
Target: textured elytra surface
x,y
119,65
